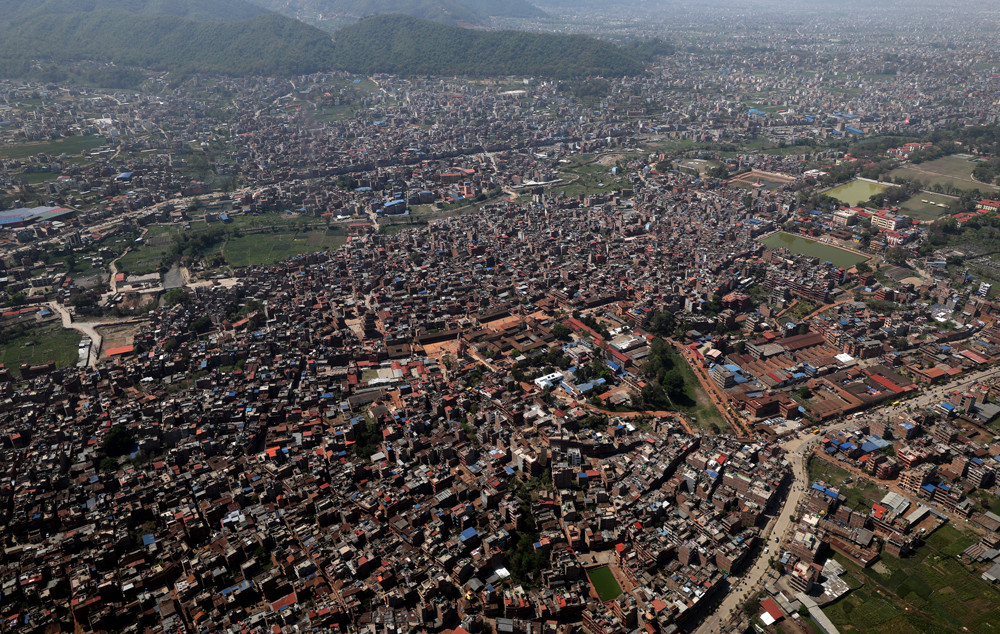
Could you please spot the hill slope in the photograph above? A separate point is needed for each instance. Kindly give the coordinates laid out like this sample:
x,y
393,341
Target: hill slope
x,y
213,11
266,43
452,12
408,46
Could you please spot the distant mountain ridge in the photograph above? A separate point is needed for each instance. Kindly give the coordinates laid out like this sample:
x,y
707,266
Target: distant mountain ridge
x,y
407,46
212,11
233,37
223,36
453,12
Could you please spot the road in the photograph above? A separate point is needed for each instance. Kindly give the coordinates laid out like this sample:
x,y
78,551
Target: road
x,y
680,418
88,329
752,580
798,450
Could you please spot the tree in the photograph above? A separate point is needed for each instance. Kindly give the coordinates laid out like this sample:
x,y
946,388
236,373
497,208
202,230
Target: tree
x,y
863,268
176,296
673,383
561,332
661,323
896,255
118,441
201,324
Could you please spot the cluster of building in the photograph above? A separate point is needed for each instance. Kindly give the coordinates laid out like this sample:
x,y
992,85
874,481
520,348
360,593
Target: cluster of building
x,y
327,454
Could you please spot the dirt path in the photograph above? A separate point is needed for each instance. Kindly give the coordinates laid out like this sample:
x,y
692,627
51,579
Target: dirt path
x,y
643,414
88,329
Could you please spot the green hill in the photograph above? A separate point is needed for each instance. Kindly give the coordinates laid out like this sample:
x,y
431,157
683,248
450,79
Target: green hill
x,y
407,46
265,43
232,37
452,12
213,11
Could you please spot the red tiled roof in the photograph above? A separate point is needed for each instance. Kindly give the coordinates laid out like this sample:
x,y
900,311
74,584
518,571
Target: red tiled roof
x,y
771,607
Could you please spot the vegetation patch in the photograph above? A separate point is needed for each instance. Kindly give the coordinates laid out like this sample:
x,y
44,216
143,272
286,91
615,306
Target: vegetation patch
x,y
930,591
35,344
605,583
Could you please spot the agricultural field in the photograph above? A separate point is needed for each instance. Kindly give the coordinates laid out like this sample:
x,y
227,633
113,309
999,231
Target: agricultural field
x,y
930,591
924,206
855,192
69,145
953,171
40,344
805,246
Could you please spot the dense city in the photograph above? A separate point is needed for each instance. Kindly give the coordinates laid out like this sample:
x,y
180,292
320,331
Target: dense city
x,y
709,350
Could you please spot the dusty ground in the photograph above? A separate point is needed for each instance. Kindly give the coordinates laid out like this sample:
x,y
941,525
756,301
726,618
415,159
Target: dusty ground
x,y
117,336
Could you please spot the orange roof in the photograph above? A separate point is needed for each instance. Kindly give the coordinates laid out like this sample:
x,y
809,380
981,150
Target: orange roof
x,y
120,350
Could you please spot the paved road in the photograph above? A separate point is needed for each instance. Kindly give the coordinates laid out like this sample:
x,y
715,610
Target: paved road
x,y
797,450
752,580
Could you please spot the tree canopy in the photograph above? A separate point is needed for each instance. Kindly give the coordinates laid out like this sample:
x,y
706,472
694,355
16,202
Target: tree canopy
x,y
407,46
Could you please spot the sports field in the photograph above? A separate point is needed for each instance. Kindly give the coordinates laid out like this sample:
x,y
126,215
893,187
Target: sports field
x,y
246,241
41,344
605,583
924,206
69,145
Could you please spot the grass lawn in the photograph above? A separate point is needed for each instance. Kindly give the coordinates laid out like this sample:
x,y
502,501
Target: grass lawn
x,y
68,145
41,344
290,235
954,170
605,583
924,206
932,591
34,178
700,406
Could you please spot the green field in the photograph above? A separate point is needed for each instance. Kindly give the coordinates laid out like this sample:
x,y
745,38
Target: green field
x,y
589,179
931,591
699,406
271,248
856,192
805,246
949,171
605,583
41,344
924,206
69,145
246,241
